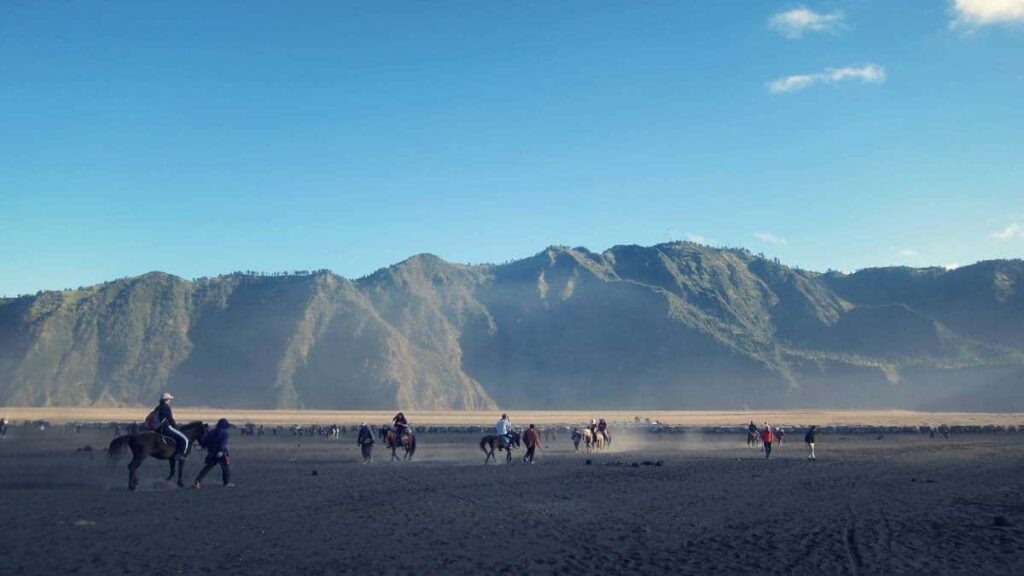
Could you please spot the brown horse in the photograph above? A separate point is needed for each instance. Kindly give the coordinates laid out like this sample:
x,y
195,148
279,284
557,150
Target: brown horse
x,y
146,444
492,442
390,438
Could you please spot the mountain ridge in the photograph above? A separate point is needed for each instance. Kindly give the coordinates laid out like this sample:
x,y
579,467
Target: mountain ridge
x,y
678,325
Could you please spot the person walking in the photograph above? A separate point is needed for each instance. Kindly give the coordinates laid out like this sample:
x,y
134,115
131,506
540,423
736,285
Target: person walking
x,y
767,437
365,442
532,440
809,439
216,443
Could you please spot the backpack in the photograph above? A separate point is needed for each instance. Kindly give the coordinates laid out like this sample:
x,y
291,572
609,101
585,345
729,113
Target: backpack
x,y
153,420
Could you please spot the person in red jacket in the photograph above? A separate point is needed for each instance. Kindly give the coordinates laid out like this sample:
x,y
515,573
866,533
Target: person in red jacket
x,y
532,440
767,437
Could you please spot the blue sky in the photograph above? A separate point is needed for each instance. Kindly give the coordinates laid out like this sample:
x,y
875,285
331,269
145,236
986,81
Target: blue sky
x,y
200,138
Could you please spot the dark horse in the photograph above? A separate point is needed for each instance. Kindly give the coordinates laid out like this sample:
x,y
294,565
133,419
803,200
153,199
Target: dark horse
x,y
390,438
493,442
158,446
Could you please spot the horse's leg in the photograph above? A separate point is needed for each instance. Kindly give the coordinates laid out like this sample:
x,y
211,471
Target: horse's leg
x,y
170,474
133,480
181,472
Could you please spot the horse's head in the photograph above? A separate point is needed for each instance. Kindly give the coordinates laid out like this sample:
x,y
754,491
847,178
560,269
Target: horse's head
x,y
195,431
384,432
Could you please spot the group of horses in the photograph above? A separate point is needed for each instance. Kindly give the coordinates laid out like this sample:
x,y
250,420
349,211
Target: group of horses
x,y
152,444
592,440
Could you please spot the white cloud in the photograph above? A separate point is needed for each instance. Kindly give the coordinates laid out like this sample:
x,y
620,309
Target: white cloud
x,y
952,266
974,13
793,23
908,253
696,238
769,238
1014,230
867,74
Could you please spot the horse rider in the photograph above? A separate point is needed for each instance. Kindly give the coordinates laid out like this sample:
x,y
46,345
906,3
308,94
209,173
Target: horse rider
x,y
168,427
576,435
401,425
593,428
3,427
752,429
504,429
602,427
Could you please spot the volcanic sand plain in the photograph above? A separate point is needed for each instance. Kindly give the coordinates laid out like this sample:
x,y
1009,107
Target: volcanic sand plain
x,y
655,503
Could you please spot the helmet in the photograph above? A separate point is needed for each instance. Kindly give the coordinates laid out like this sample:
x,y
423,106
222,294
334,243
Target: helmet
x,y
166,396
592,421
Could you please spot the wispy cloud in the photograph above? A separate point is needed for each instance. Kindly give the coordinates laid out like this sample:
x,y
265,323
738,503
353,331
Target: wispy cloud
x,y
769,238
908,252
696,238
975,13
867,74
952,266
1014,230
794,23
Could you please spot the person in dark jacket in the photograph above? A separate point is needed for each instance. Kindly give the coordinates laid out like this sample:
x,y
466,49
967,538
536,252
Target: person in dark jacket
x,y
216,443
365,441
809,439
532,440
168,427
401,425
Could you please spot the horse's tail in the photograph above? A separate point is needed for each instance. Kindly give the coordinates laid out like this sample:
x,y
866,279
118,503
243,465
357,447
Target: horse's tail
x,y
117,445
483,443
412,446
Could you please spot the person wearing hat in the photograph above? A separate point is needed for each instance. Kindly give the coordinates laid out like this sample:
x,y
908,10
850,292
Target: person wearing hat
x,y
216,443
168,427
365,442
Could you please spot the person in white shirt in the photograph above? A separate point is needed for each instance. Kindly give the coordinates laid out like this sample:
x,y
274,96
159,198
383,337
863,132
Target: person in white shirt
x,y
504,428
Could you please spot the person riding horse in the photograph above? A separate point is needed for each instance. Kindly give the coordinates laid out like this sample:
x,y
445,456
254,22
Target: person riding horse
x,y
504,428
162,420
401,426
602,427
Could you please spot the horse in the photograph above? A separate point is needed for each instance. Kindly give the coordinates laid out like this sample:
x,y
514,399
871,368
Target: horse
x,y
753,438
577,437
158,446
492,442
594,441
390,438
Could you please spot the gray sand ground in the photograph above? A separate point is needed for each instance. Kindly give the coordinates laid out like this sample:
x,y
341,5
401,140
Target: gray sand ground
x,y
905,504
